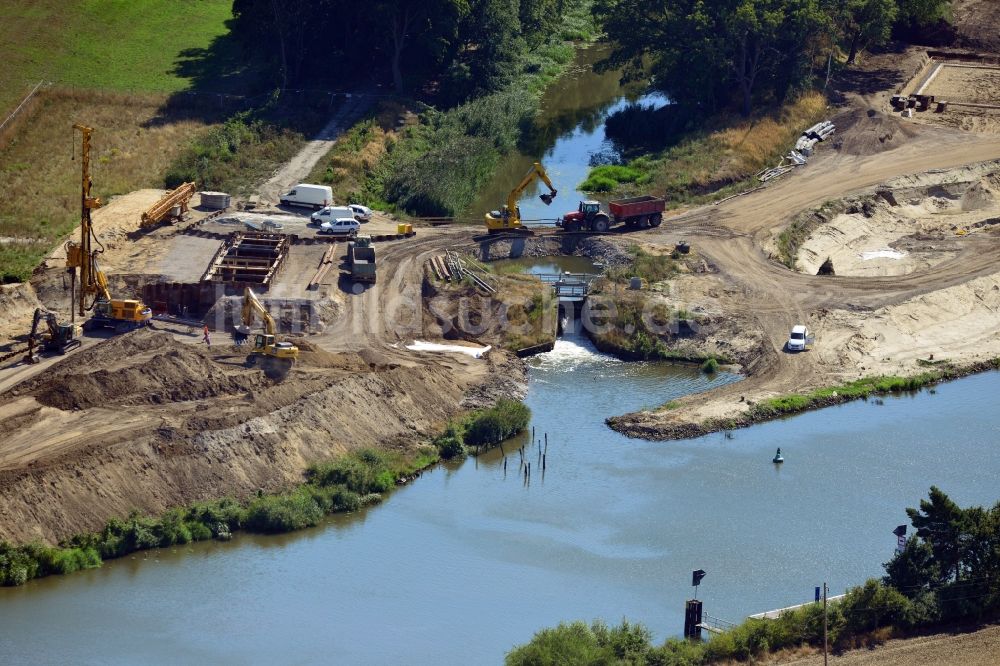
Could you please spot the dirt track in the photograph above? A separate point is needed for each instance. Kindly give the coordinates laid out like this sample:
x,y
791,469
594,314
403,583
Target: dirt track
x,y
978,648
732,237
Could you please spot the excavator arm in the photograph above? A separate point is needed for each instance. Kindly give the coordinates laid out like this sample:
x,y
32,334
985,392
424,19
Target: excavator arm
x,y
510,217
536,171
252,308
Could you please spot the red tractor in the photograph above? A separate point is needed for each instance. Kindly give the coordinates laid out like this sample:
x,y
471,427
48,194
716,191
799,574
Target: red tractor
x,y
644,211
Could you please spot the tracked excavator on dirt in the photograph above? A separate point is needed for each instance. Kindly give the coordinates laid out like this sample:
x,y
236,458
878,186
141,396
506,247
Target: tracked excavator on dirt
x,y
56,337
121,315
508,219
266,348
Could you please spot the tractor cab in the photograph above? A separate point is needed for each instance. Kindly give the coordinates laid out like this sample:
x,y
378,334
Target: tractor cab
x,y
590,208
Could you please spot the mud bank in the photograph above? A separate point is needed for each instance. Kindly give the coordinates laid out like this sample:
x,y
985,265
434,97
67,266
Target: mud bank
x,y
639,426
146,422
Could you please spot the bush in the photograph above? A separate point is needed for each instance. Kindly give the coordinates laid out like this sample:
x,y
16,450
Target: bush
x,y
710,366
283,513
366,472
598,184
500,422
451,443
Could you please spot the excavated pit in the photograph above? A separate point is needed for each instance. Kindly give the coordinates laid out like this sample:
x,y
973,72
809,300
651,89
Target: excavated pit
x,y
909,225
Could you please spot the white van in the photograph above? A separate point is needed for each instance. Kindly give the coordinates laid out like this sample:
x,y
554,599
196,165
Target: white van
x,y
329,214
303,194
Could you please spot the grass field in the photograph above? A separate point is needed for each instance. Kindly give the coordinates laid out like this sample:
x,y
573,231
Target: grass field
x,y
40,184
113,64
124,45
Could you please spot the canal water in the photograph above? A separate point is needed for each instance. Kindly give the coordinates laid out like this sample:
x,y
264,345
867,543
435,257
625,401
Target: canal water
x,y
468,561
568,137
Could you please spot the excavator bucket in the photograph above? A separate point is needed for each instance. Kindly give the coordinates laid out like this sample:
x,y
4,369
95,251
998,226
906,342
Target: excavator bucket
x,y
240,334
547,198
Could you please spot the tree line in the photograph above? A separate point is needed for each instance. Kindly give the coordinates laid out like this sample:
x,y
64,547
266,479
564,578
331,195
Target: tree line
x,y
720,53
948,572
462,47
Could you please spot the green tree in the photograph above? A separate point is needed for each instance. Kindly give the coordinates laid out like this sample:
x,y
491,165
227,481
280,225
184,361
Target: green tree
x,y
939,521
913,570
922,12
434,23
495,43
700,52
867,23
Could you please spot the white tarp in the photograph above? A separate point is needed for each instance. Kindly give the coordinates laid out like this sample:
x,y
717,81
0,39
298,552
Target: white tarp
x,y
475,352
881,254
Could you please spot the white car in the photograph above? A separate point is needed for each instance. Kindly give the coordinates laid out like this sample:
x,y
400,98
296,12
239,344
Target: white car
x,y
344,226
329,214
361,213
798,338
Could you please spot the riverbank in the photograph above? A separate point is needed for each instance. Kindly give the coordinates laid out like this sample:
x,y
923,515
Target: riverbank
x,y
345,484
638,424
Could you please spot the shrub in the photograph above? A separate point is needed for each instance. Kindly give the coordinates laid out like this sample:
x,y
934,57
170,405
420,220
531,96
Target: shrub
x,y
451,443
710,366
500,422
283,513
367,471
598,184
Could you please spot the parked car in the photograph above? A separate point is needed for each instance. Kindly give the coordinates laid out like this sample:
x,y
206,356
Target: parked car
x,y
304,194
361,213
345,226
329,214
798,338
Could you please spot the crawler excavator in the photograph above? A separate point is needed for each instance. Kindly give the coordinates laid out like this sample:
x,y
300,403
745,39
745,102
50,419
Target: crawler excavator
x,y
122,315
266,348
56,337
508,219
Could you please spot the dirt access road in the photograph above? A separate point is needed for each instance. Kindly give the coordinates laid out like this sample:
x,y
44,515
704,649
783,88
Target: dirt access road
x,y
978,648
299,166
733,237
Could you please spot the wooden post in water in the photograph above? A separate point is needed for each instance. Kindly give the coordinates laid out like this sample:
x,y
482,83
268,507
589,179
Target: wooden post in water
x,y
505,467
825,642
543,463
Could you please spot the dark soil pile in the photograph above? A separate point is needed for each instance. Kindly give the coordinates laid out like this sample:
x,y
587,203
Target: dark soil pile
x,y
144,367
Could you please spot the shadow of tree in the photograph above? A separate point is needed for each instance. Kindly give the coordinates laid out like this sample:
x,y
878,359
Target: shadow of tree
x,y
224,79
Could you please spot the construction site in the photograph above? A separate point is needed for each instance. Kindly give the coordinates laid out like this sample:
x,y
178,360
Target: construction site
x,y
185,345
891,260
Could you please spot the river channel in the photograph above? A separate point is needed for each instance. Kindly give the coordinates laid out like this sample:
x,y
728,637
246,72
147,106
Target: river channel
x,y
568,136
468,561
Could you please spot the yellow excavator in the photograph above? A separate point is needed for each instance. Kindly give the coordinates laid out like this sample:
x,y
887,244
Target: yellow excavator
x,y
122,315
265,345
508,219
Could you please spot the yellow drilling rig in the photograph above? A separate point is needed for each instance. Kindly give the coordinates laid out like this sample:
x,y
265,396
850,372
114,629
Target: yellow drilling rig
x,y
121,315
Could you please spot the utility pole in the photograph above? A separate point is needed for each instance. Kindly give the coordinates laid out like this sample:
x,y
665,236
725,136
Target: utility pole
x,y
825,642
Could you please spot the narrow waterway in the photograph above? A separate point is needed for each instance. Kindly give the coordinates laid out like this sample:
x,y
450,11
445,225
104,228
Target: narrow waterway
x,y
467,561
568,136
